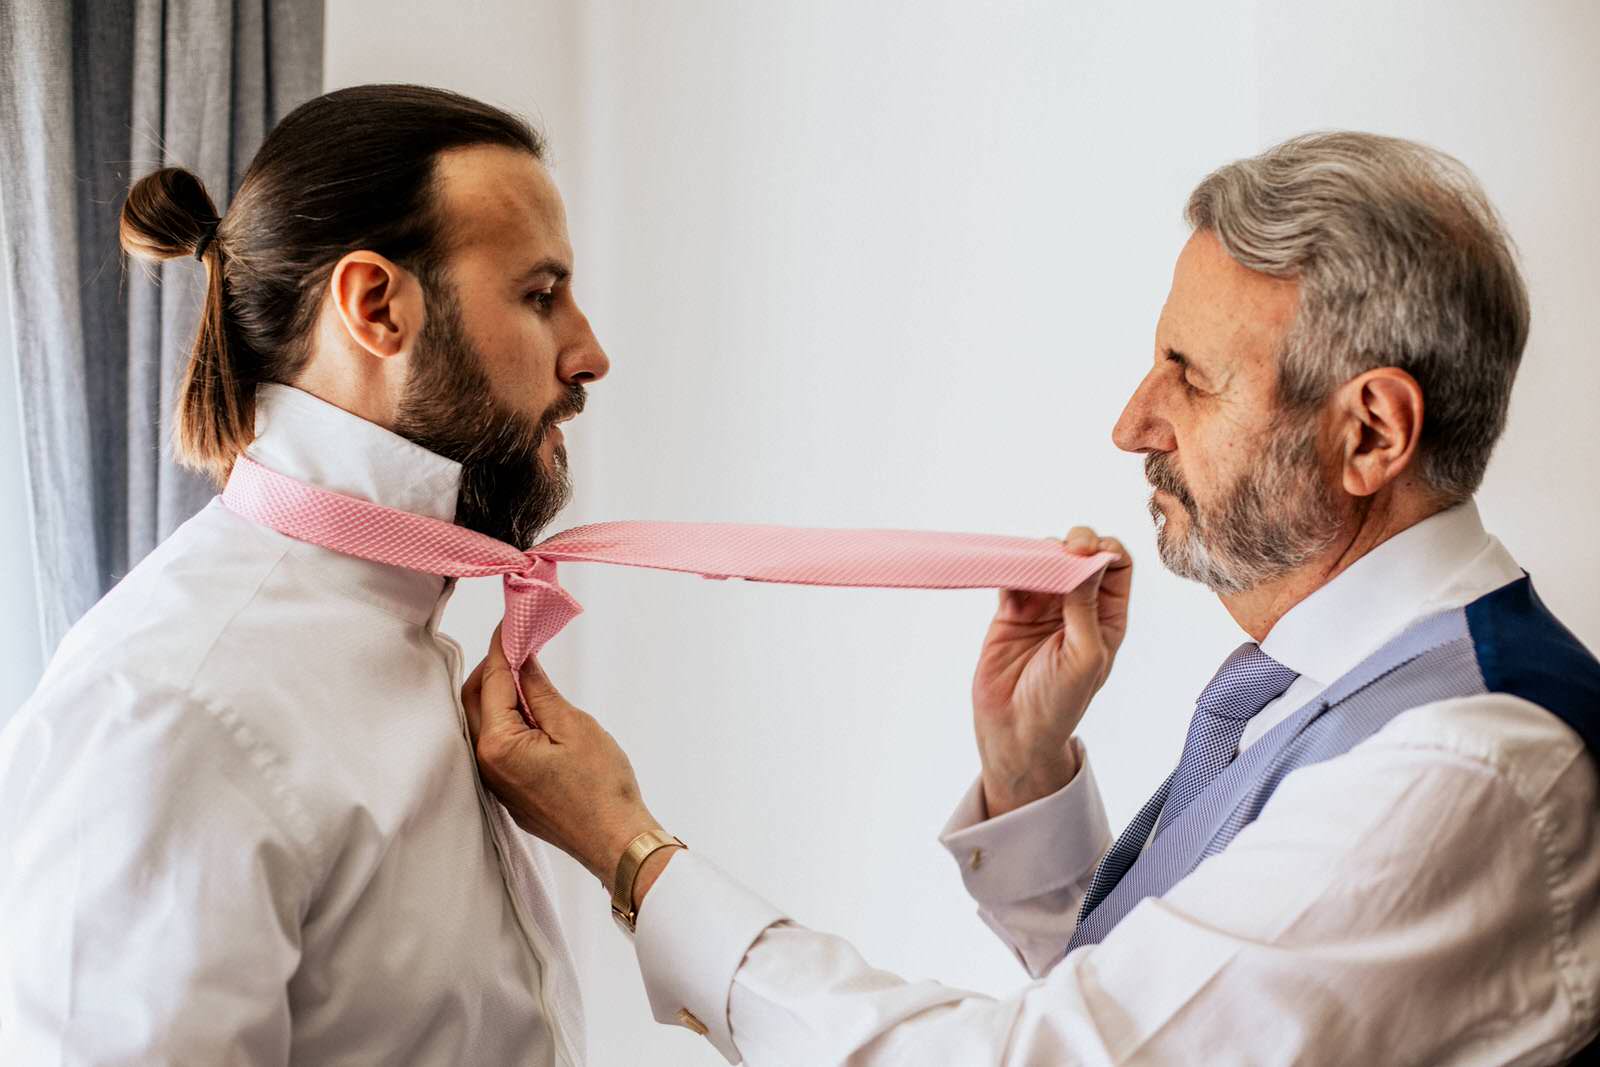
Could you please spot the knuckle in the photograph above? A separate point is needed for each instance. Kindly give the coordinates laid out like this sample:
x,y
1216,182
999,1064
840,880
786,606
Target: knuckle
x,y
489,749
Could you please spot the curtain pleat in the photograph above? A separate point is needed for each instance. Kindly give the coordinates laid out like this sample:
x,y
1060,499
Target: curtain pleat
x,y
94,94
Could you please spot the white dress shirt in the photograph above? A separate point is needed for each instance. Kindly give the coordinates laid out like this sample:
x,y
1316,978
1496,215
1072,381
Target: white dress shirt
x,y
240,819
1432,896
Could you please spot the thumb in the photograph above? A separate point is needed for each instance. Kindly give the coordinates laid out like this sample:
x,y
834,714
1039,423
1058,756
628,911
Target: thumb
x,y
546,705
535,681
498,710
1080,609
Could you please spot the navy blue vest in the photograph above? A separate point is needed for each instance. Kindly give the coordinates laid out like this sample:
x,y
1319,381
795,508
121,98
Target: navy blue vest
x,y
1524,650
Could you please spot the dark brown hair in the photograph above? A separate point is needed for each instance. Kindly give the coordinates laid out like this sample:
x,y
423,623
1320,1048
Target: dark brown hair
x,y
352,169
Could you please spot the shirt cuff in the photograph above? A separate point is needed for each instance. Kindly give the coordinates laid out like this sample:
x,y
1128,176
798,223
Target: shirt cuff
x,y
694,928
1039,847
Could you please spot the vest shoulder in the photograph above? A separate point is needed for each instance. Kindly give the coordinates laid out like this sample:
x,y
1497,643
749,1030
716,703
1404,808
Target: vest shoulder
x,y
1524,651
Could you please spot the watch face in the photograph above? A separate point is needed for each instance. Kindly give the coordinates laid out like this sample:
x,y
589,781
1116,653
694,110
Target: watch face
x,y
622,921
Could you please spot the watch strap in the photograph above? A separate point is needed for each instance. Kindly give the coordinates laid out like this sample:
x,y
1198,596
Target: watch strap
x,y
639,849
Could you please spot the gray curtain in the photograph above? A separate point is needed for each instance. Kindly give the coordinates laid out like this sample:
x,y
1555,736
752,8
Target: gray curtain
x,y
96,93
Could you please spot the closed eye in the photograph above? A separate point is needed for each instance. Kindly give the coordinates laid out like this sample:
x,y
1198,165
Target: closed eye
x,y
1182,363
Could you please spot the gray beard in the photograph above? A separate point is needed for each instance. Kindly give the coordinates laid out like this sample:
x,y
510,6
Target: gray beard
x,y
1275,519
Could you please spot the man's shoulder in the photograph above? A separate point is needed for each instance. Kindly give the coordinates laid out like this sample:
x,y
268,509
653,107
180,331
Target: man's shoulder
x,y
161,620
1523,650
1531,709
1509,734
216,636
159,752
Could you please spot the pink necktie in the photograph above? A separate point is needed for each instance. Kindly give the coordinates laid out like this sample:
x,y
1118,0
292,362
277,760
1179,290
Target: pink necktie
x,y
537,607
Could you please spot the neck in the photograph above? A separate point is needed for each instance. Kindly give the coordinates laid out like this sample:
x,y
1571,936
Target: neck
x,y
353,380
1371,522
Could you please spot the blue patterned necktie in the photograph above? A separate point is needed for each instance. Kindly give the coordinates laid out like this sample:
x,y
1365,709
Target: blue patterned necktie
x,y
1247,681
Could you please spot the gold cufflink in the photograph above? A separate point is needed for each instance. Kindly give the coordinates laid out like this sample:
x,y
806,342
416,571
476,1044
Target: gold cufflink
x,y
977,858
687,1018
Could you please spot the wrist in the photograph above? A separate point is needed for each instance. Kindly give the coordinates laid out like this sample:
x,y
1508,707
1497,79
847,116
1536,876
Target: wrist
x,y
603,865
637,869
1005,791
650,871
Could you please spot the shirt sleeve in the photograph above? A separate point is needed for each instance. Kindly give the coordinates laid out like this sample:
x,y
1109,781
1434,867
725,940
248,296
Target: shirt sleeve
x,y
152,886
691,934
1395,884
1029,869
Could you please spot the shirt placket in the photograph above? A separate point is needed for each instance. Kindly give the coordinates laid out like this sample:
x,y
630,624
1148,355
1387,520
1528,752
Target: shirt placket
x,y
507,852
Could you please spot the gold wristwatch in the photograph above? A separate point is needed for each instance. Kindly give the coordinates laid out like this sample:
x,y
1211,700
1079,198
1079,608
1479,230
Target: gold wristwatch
x,y
639,849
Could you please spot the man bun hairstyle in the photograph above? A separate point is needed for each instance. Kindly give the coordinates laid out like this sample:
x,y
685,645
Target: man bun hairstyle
x,y
351,169
1402,262
170,214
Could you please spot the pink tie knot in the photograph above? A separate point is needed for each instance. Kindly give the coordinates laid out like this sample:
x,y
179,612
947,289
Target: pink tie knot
x,y
540,572
537,609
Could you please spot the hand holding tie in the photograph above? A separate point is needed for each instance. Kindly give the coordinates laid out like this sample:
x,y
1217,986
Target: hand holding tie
x,y
1044,658
565,780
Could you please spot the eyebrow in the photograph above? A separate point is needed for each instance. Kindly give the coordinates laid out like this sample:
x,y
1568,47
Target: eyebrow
x,y
549,265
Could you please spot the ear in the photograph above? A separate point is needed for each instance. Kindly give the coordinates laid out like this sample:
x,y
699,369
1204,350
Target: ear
x,y
1380,423
379,302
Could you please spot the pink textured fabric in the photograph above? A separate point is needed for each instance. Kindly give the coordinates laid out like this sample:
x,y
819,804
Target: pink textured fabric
x,y
537,607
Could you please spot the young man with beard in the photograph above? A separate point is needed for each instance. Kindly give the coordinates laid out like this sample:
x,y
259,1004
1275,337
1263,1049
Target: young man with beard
x,y
1382,841
239,816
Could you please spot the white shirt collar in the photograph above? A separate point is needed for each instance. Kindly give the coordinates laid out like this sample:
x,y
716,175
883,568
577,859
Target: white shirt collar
x,y
1443,561
309,439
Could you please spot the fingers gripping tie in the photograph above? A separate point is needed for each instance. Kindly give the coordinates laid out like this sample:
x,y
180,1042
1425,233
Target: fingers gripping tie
x,y
537,609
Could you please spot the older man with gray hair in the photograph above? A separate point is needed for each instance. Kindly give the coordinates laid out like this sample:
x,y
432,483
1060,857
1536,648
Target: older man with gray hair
x,y
1381,843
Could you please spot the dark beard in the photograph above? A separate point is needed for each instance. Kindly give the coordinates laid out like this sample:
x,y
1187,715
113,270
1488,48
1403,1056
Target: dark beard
x,y
449,408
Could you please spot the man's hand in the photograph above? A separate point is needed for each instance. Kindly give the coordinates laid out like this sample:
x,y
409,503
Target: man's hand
x,y
1044,657
566,781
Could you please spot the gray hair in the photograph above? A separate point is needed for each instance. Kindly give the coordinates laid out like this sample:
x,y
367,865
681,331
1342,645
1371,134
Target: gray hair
x,y
1402,262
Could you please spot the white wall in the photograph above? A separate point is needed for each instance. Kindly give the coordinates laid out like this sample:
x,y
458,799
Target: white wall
x,y
898,265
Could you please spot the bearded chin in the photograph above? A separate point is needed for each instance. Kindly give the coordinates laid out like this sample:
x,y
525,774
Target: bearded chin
x,y
507,491
1187,556
513,498
1278,517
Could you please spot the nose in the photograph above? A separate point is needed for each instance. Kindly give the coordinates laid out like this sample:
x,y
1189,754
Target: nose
x,y
1140,427
583,360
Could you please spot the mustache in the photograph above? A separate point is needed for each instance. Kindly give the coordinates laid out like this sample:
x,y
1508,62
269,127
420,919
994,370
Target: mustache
x,y
569,406
517,438
1162,473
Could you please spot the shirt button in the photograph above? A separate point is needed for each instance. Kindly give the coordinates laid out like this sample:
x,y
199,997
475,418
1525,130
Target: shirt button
x,y
977,858
687,1018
